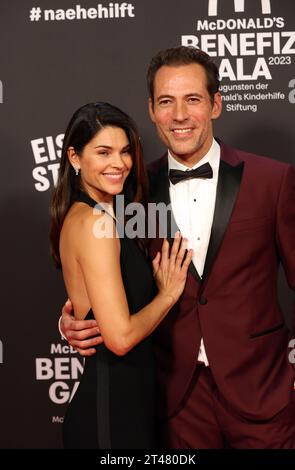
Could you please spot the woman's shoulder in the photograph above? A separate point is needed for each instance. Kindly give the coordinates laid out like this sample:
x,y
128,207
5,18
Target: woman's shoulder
x,y
83,222
77,216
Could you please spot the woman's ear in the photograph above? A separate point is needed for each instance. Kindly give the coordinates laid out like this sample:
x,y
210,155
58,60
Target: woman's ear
x,y
73,158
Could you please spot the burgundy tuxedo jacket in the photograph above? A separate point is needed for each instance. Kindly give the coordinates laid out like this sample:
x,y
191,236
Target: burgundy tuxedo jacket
x,y
234,307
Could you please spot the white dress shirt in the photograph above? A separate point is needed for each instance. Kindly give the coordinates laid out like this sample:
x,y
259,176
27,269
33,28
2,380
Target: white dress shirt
x,y
193,203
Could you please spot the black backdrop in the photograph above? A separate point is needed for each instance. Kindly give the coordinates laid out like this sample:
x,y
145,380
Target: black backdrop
x,y
50,67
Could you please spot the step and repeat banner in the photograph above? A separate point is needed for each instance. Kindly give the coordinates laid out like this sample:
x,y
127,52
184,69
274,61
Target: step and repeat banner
x,y
56,55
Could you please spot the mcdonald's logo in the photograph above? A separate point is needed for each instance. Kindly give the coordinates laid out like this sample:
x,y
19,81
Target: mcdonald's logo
x,y
239,7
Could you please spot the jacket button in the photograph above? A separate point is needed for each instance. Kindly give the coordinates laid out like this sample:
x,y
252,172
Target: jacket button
x,y
203,300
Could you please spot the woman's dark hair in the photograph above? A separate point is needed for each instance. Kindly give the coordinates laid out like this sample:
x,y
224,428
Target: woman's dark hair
x,y
84,125
184,55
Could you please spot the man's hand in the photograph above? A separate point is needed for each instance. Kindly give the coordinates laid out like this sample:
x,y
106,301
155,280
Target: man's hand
x,y
79,333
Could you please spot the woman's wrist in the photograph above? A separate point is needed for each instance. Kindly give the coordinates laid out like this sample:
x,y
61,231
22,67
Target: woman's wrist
x,y
169,299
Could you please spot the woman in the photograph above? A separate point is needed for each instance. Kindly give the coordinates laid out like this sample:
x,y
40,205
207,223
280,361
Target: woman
x,y
109,278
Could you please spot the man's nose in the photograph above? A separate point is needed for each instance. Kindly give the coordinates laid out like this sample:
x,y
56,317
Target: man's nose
x,y
180,111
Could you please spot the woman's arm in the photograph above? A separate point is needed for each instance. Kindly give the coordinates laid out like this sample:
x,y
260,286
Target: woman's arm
x,y
99,259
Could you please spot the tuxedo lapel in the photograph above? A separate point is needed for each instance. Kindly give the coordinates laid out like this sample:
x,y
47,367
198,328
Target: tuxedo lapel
x,y
159,189
159,182
229,180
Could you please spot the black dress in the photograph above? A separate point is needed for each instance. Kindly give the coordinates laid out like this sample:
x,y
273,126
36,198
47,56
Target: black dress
x,y
114,406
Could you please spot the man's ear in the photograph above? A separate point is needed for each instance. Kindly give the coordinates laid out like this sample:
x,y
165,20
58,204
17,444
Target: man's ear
x,y
73,158
217,106
151,110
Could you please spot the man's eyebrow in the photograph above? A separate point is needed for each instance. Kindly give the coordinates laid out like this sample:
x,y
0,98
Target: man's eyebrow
x,y
187,95
164,96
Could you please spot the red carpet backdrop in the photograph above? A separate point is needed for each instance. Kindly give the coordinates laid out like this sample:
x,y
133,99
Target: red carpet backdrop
x,y
56,55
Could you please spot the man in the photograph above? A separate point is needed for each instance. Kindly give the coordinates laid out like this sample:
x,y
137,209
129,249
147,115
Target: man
x,y
223,372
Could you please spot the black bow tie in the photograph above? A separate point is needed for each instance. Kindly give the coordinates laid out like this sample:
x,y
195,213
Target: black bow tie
x,y
203,171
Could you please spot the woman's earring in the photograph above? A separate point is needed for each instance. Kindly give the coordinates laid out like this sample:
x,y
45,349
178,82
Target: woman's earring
x,y
77,171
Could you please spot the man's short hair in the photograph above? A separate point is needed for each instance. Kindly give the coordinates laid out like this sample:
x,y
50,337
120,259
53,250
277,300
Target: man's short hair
x,y
184,55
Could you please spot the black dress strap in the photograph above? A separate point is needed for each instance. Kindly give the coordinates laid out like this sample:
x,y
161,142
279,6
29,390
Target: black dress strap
x,y
83,197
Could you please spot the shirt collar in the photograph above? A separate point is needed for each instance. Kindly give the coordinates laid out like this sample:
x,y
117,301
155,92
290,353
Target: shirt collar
x,y
212,156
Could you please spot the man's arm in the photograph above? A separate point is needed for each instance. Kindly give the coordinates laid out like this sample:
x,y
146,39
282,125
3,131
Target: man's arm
x,y
82,335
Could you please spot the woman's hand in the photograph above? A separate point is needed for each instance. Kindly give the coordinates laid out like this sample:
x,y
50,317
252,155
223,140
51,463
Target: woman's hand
x,y
170,272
